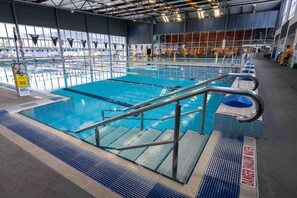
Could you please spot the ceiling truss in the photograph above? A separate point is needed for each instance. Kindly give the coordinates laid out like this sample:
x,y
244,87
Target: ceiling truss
x,y
148,10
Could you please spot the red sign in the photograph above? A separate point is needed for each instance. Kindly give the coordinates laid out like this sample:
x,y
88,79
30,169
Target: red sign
x,y
248,166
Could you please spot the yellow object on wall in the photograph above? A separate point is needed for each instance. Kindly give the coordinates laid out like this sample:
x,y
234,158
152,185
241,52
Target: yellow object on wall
x,y
133,59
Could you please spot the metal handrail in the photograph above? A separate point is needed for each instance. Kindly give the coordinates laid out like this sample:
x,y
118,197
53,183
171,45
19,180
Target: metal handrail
x,y
258,102
182,114
160,119
259,105
256,85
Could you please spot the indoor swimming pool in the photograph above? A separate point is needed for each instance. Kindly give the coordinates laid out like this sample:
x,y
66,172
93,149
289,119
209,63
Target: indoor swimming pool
x,y
94,102
86,103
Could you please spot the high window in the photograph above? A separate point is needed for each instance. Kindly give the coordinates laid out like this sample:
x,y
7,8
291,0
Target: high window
x,y
292,9
285,12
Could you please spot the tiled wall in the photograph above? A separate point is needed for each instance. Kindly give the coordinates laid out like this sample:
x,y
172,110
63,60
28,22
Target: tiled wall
x,y
229,125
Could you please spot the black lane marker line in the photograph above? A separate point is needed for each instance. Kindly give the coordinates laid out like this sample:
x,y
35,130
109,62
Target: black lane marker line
x,y
100,97
146,84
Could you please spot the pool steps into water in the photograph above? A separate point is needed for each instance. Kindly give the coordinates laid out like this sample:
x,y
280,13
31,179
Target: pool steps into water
x,y
148,136
162,150
126,139
156,158
190,148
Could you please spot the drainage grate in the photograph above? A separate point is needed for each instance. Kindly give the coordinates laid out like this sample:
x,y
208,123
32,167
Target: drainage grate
x,y
28,105
119,179
222,176
56,98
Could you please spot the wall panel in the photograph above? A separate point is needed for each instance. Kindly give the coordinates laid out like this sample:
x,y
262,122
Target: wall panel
x,y
118,27
98,24
167,28
72,21
139,33
242,21
6,14
35,15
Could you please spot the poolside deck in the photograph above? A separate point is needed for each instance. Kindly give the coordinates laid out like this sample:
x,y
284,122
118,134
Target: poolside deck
x,y
277,157
23,175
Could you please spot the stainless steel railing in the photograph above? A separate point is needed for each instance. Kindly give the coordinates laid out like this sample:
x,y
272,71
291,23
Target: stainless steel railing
x,y
258,103
142,119
256,85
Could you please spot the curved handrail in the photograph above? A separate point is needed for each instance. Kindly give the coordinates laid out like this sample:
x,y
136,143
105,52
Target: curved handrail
x,y
259,104
199,84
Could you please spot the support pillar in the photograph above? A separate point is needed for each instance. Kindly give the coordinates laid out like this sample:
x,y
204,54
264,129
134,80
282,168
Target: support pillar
x,y
61,47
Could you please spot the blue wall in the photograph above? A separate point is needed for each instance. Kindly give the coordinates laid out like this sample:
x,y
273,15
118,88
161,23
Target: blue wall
x,y
168,28
139,33
254,20
208,24
242,21
42,16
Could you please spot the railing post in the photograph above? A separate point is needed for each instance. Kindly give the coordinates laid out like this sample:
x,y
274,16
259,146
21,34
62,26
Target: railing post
x,y
176,140
141,121
203,115
97,138
102,114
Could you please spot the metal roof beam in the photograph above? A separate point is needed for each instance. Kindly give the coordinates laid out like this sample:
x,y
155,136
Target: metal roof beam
x,y
179,5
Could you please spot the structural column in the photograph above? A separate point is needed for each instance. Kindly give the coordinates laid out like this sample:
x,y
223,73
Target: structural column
x,y
18,32
185,31
61,47
89,47
152,36
109,44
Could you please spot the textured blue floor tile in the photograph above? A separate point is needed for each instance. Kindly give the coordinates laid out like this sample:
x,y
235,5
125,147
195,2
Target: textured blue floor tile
x,y
4,117
56,98
135,184
162,191
11,122
218,188
28,105
222,176
3,111
83,163
106,173
125,182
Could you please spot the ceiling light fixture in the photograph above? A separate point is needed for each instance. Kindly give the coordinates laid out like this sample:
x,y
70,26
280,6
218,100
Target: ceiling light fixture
x,y
165,18
216,12
200,13
178,17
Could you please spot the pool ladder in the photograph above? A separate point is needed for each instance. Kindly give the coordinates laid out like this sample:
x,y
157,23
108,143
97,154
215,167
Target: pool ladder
x,y
257,100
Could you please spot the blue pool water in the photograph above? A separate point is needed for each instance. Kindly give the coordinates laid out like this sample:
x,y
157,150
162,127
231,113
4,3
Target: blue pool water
x,y
179,71
87,101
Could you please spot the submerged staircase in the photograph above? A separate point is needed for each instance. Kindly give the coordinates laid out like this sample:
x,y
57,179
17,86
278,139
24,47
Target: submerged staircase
x,y
156,158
